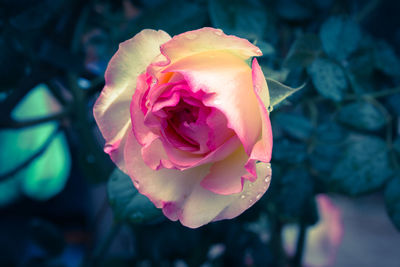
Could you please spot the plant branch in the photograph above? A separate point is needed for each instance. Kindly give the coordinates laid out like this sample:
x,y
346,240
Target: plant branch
x,y
368,8
15,124
301,239
29,160
104,245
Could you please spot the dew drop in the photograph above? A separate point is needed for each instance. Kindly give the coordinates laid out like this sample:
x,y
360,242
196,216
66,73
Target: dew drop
x,y
258,51
136,183
258,196
270,108
217,102
218,32
147,103
242,196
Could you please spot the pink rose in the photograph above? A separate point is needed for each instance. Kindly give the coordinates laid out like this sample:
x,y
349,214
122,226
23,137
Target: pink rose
x,y
186,119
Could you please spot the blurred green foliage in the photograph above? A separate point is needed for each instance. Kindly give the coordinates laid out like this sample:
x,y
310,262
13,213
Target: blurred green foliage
x,y
45,175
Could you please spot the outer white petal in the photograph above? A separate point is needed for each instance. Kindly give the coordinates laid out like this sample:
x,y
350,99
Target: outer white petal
x,y
111,109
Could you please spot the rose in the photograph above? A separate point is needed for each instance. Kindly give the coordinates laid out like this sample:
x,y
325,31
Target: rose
x,y
186,119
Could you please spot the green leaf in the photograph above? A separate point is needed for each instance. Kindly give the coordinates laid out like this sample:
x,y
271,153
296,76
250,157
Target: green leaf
x,y
303,51
340,37
293,195
289,151
173,17
276,75
266,48
364,166
392,200
292,10
295,125
327,147
328,78
9,191
127,203
243,18
279,92
37,15
47,175
362,115
386,59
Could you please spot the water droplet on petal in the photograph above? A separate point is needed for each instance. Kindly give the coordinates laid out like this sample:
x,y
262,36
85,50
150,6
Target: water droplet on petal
x,y
242,196
136,183
270,108
218,32
147,103
258,196
258,51
217,102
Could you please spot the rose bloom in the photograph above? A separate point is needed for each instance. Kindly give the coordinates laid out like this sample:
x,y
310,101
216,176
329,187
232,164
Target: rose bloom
x,y
186,119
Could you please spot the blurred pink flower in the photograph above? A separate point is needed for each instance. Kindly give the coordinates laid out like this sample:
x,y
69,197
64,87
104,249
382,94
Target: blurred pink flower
x,y
323,239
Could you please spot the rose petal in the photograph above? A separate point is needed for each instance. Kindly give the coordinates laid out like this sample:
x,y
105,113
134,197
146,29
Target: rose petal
x,y
203,206
225,176
228,81
252,192
162,186
262,150
207,39
111,109
180,194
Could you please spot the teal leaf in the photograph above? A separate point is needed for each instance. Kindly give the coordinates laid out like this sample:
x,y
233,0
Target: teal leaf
x,y
386,59
247,19
47,174
187,15
363,167
292,10
127,203
303,51
295,125
328,144
340,36
266,48
392,200
279,92
293,195
328,78
9,191
289,151
362,115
